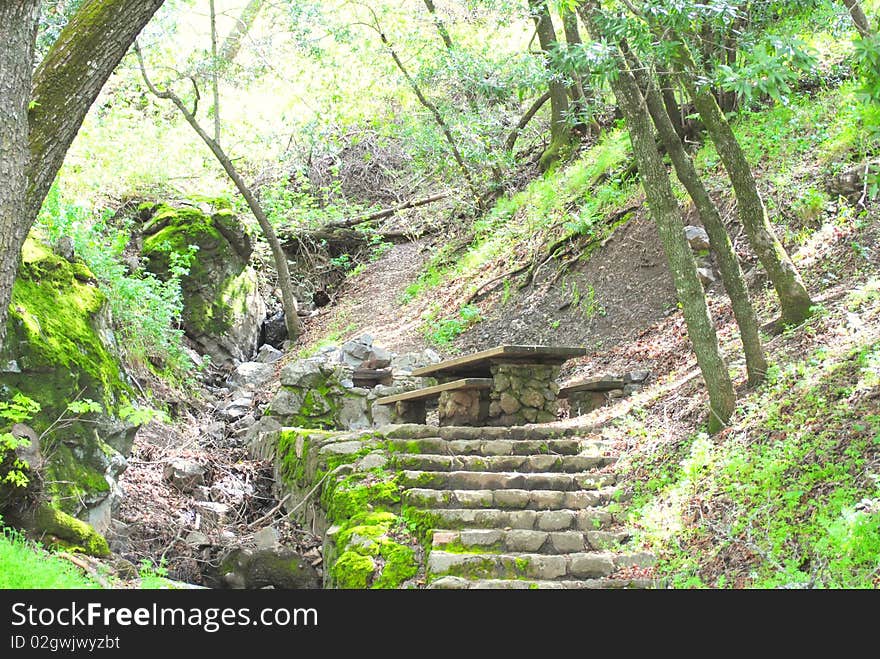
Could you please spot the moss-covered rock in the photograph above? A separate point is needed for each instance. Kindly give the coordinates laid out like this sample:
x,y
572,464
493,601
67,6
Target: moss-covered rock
x,y
60,349
69,532
367,543
223,309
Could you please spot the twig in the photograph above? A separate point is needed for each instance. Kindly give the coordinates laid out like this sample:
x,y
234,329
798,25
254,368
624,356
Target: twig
x,y
274,510
301,503
88,569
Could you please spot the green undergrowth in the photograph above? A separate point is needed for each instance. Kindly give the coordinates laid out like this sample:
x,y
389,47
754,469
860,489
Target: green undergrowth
x,y
27,565
789,496
571,200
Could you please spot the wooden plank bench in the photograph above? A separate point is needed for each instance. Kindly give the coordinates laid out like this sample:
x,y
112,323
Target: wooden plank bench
x,y
411,404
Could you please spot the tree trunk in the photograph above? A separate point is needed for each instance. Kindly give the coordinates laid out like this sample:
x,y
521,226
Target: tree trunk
x,y
288,299
560,135
731,274
673,110
794,299
664,208
18,33
215,74
441,26
69,79
435,112
859,18
579,100
231,47
524,121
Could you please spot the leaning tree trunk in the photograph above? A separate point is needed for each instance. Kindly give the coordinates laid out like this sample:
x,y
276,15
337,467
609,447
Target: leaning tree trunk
x,y
288,299
64,87
70,78
670,225
794,300
731,274
560,135
230,48
859,18
18,32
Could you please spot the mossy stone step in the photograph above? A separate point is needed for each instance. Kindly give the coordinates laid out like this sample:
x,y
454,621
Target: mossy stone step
x,y
503,463
607,583
516,540
489,480
526,432
586,520
542,567
491,447
514,499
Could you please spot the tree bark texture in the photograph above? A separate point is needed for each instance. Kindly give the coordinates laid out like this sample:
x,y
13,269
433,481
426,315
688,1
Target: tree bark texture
x,y
18,31
794,299
728,264
232,45
560,135
858,15
670,225
69,79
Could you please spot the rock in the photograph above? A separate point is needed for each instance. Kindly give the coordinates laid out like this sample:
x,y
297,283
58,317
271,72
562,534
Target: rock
x,y
380,358
372,461
509,404
303,373
213,515
184,474
697,238
353,413
356,351
223,311
274,332
197,539
707,276
532,398
237,408
278,567
287,402
636,376
60,348
268,354
64,248
251,375
266,538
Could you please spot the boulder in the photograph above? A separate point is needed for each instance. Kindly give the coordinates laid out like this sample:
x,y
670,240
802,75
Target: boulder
x,y
697,238
223,311
60,349
268,355
274,330
184,474
278,567
251,375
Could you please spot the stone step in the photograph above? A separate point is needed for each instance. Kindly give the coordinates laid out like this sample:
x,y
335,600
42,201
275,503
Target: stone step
x,y
522,540
588,520
607,583
541,567
489,447
537,432
503,463
490,480
514,499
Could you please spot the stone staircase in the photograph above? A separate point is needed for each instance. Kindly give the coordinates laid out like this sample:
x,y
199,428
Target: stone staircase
x,y
519,508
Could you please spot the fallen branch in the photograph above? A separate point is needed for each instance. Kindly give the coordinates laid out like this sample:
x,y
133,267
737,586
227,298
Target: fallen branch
x,y
387,212
84,565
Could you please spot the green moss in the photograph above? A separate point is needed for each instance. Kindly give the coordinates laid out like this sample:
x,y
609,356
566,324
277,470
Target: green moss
x,y
357,493
421,523
353,570
400,565
69,480
73,534
51,330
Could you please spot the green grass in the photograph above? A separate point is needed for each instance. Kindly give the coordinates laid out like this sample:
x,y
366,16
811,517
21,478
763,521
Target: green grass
x,y
24,564
788,492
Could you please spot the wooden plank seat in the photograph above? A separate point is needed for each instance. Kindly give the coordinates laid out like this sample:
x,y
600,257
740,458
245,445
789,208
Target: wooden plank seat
x,y
436,390
600,383
461,402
